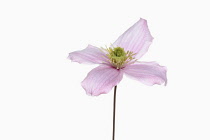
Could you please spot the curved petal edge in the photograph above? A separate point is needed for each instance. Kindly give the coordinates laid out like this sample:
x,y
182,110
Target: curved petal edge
x,y
89,55
101,80
136,39
148,73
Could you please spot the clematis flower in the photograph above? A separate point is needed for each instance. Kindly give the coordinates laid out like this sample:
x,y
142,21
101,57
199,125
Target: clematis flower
x,y
119,59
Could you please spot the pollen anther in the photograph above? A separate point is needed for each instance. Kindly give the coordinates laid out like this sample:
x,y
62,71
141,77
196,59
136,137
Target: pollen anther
x,y
118,57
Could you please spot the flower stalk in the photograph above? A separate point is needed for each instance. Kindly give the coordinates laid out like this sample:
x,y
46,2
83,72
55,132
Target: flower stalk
x,y
114,108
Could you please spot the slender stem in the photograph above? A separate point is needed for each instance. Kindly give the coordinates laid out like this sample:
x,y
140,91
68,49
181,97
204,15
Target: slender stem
x,y
114,106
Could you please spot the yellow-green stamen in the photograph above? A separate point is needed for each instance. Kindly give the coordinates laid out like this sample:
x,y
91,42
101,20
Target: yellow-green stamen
x,y
118,57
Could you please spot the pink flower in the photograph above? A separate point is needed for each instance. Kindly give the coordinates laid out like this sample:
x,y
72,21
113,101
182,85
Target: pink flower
x,y
119,59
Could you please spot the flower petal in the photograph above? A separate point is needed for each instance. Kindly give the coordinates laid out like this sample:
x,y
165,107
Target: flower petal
x,y
101,80
90,55
148,73
136,39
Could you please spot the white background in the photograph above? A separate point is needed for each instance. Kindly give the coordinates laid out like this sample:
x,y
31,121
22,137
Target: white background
x,y
40,93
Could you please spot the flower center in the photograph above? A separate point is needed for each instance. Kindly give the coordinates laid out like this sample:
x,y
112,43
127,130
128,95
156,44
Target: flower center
x,y
118,57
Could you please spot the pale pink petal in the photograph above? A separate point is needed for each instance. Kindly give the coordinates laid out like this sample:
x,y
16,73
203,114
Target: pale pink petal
x,y
148,73
90,55
101,80
136,39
